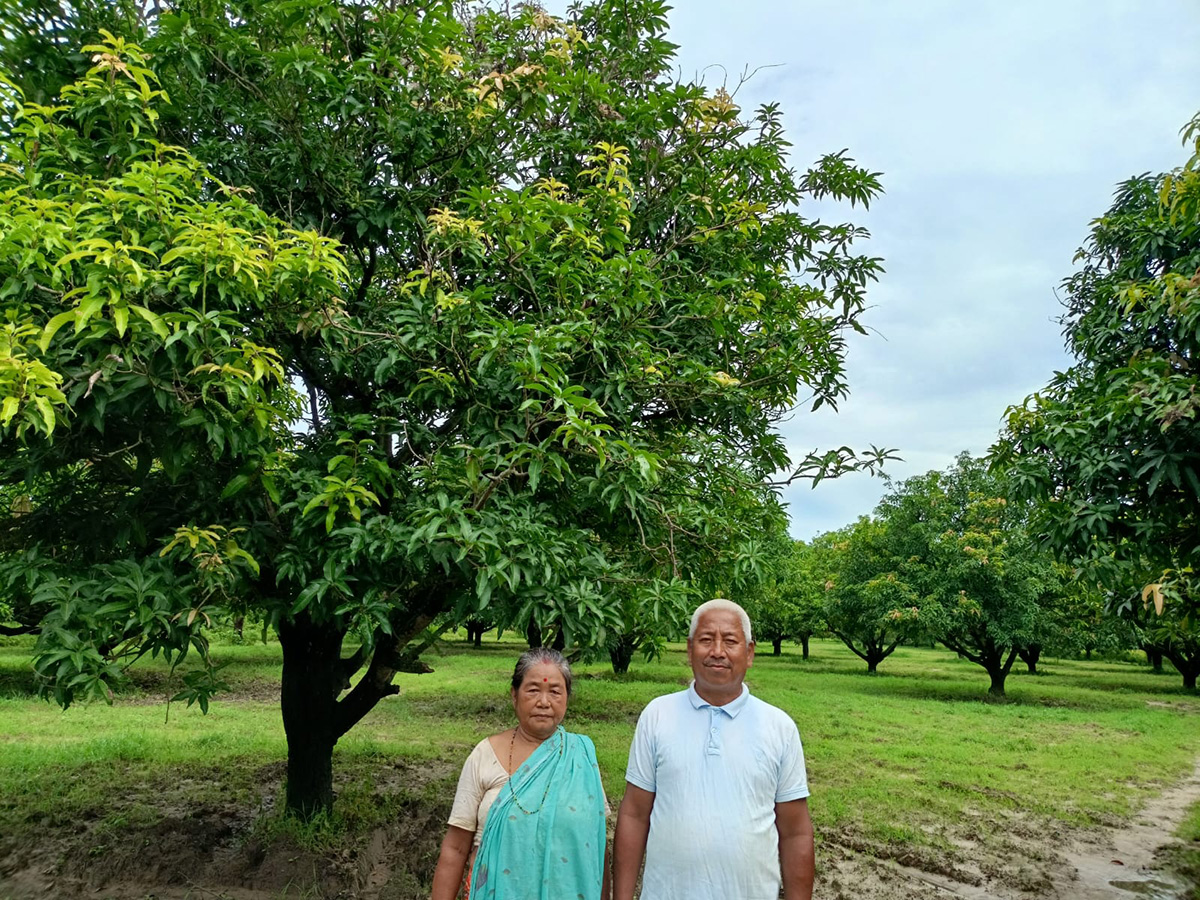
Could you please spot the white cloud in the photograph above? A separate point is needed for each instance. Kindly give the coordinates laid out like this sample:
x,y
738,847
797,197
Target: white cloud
x,y
1001,129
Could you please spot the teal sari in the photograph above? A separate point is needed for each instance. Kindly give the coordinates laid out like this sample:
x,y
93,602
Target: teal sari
x,y
545,834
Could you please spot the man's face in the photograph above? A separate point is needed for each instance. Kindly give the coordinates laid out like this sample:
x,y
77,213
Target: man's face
x,y
719,653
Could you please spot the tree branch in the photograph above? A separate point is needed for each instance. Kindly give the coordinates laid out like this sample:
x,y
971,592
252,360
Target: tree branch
x,y
15,630
391,655
841,637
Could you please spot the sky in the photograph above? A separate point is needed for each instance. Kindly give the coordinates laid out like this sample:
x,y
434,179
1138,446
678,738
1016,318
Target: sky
x,y
1001,129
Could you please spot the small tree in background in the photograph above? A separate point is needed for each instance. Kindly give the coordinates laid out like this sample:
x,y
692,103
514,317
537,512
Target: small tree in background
x,y
772,600
869,604
970,554
807,586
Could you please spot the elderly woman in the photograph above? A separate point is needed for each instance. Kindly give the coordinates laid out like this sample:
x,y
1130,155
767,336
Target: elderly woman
x,y
528,821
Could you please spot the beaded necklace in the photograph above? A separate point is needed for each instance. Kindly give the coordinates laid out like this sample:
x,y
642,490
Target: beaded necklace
x,y
562,740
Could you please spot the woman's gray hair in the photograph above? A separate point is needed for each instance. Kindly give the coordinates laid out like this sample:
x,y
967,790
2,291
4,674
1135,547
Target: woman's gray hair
x,y
729,606
536,656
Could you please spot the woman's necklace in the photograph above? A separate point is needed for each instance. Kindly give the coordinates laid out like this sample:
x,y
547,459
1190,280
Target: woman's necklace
x,y
512,744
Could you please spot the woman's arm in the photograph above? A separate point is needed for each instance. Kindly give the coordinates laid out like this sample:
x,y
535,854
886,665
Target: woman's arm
x,y
452,863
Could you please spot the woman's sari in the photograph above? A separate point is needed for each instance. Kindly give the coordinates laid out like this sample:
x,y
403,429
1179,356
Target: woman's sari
x,y
545,834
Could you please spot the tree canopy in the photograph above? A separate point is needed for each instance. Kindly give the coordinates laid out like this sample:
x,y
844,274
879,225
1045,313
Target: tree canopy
x,y
869,604
970,554
786,601
1109,447
530,351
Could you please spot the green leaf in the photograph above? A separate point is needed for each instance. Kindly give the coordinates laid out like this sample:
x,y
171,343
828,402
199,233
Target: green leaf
x,y
157,325
236,485
52,328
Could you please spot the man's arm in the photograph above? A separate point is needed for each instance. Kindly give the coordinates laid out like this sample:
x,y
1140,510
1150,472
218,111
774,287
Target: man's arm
x,y
629,845
795,848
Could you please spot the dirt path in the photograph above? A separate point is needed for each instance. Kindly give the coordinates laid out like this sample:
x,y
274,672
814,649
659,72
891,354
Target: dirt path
x,y
1020,859
1123,866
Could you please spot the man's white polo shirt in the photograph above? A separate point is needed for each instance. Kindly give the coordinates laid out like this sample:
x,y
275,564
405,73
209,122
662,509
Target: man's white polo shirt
x,y
716,773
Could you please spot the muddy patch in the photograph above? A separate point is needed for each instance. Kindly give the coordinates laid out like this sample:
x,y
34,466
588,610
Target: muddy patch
x,y
1012,855
232,852
1128,859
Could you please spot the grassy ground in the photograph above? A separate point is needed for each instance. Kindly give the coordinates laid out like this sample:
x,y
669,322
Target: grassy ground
x,y
1185,857
907,758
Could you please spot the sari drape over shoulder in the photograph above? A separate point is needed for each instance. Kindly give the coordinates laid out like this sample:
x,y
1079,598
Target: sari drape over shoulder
x,y
545,834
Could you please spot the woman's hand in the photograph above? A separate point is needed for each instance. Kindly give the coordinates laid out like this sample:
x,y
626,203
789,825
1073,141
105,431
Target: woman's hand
x,y
452,863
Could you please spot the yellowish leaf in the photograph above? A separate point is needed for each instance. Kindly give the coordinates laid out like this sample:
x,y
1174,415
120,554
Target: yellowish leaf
x,y
1153,591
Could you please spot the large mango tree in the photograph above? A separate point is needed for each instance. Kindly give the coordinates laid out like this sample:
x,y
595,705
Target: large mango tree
x,y
441,312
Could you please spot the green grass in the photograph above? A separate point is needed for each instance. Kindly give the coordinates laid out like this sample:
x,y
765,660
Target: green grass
x,y
905,757
1184,858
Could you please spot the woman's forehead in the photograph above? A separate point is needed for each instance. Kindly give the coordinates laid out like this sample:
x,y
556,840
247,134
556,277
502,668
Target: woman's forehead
x,y
544,672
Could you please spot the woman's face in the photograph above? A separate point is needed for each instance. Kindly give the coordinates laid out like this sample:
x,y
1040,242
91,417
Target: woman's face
x,y
541,700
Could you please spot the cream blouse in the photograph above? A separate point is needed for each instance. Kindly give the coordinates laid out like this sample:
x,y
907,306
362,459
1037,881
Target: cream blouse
x,y
478,787
479,784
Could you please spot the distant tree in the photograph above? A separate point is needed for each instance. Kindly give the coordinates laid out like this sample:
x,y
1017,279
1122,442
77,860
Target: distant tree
x,y
645,620
531,357
476,627
772,599
969,553
1108,447
804,586
1075,620
869,606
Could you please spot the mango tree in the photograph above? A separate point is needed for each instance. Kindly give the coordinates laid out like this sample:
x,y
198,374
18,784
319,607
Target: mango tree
x,y
870,606
530,357
1108,447
970,555
770,600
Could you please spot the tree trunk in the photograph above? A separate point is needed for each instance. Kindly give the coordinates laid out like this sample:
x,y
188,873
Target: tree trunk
x,y
872,663
1087,653
475,632
621,654
560,641
804,645
313,676
1030,655
1154,656
1187,665
533,634
776,646
998,668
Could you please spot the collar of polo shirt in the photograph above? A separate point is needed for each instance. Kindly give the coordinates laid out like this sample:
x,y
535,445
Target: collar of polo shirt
x,y
731,709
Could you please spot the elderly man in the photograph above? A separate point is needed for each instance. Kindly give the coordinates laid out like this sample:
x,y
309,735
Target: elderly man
x,y
716,786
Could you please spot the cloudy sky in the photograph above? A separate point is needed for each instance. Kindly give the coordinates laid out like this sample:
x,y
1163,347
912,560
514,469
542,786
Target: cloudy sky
x,y
1001,128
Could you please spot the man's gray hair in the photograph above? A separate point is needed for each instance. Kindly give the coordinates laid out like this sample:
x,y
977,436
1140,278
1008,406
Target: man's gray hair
x,y
536,656
721,604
